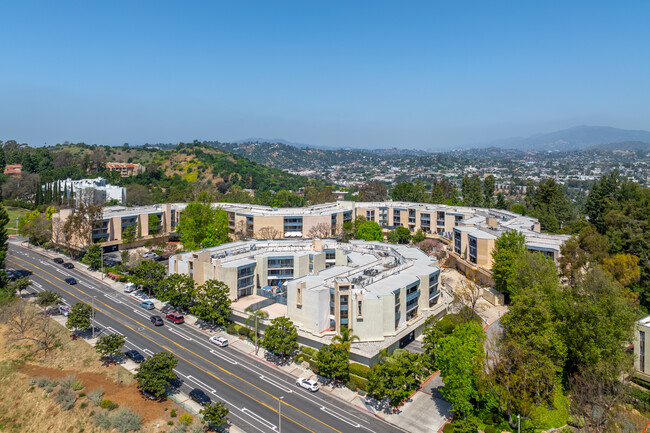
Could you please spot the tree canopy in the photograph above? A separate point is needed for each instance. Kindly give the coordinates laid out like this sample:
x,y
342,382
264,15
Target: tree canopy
x,y
370,231
155,373
281,337
202,226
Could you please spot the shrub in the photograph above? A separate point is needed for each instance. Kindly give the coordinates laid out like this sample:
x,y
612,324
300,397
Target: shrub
x,y
231,329
179,428
172,413
101,419
448,428
170,422
49,389
96,396
82,394
92,412
359,370
298,358
310,351
66,398
313,366
42,382
185,419
125,420
108,404
32,382
243,331
77,385
68,381
491,429
83,405
358,382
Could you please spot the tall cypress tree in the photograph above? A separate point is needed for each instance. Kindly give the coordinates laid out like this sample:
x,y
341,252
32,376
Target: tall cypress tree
x,y
4,220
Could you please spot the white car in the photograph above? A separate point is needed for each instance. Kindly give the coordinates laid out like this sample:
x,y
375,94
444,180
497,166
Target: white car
x,y
149,255
64,309
129,287
309,384
219,341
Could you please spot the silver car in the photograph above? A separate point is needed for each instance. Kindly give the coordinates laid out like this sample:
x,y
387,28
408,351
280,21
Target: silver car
x,y
219,341
64,310
309,384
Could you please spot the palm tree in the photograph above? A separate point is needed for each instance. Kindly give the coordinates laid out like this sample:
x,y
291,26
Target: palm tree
x,y
255,315
346,338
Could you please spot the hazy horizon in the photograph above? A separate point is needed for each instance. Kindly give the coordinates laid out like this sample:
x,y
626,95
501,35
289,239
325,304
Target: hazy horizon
x,y
365,74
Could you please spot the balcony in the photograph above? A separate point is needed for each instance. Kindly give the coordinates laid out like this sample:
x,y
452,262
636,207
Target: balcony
x,y
411,296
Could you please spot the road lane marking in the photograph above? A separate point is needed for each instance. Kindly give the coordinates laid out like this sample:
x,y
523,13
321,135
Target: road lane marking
x,y
180,334
282,387
195,354
140,313
335,415
147,351
195,380
256,417
225,358
111,298
61,272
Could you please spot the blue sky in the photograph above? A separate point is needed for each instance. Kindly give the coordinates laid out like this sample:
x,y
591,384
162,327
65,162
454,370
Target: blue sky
x,y
350,73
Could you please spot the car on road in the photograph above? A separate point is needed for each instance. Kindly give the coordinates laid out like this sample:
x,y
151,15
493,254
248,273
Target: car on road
x,y
134,355
147,305
175,318
58,260
157,320
200,397
71,281
68,265
309,384
64,310
219,341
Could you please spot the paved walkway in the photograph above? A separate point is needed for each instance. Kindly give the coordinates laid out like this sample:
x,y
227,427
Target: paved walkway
x,y
424,411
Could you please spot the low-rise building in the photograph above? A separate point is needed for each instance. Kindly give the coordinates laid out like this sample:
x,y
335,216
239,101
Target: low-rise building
x,y
125,169
13,169
641,351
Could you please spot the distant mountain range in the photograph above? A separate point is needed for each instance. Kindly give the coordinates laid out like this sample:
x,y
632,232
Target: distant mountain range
x,y
573,139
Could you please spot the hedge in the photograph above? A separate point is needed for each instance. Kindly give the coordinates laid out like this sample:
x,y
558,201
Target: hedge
x,y
311,352
244,331
359,369
357,382
231,329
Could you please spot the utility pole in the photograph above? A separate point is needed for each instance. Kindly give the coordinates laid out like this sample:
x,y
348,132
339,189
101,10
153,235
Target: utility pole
x,y
102,250
257,346
518,424
280,414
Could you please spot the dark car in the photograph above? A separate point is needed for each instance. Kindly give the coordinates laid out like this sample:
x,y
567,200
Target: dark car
x,y
68,265
92,268
200,397
175,318
157,320
110,263
58,260
134,355
71,281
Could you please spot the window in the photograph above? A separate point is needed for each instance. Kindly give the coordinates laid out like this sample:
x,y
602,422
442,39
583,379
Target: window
x,y
642,351
299,296
360,309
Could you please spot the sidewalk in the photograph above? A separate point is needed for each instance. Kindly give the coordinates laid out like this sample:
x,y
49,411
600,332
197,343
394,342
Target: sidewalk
x,y
424,411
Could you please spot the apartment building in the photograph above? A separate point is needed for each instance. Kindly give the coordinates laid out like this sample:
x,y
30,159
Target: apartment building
x,y
382,291
125,169
471,231
641,352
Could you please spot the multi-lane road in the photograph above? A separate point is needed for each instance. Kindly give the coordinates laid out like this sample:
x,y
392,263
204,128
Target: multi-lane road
x,y
254,392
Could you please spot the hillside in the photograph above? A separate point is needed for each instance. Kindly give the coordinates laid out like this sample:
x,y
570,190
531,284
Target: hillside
x,y
626,146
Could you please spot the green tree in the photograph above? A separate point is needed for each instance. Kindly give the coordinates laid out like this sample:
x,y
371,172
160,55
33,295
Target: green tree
x,y
373,191
396,377
418,236
153,224
548,203
93,256
345,339
624,268
255,316
401,235
21,284
501,201
460,359
488,191
129,233
177,289
155,373
47,299
370,231
215,414
438,194
201,226
149,274
507,248
407,191
110,345
332,361
281,337
4,220
79,317
212,302
472,191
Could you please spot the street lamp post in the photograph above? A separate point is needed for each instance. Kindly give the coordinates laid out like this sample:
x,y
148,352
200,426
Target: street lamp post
x,y
518,424
102,250
92,325
280,414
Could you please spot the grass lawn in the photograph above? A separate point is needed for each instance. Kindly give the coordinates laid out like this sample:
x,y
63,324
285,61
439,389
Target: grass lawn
x,y
13,212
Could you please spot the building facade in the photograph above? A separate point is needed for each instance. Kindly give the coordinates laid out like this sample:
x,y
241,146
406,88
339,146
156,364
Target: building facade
x,y
125,169
641,352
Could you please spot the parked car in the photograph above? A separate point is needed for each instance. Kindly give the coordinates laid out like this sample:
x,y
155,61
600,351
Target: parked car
x,y
129,287
110,263
71,281
309,384
92,268
156,320
134,355
68,265
58,260
64,310
175,318
11,275
219,341
147,305
200,397
149,255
